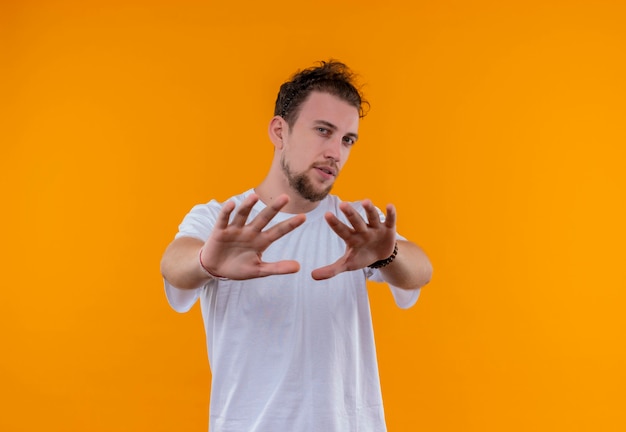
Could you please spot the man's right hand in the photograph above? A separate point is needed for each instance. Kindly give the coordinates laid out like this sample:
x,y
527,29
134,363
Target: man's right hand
x,y
234,249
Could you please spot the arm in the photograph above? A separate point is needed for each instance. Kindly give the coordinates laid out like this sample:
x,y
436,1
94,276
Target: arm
x,y
180,264
410,270
233,249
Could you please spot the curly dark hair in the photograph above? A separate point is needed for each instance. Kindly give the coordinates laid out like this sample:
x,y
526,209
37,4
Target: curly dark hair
x,y
331,77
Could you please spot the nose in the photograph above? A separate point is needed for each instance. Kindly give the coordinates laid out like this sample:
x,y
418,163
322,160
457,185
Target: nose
x,y
333,149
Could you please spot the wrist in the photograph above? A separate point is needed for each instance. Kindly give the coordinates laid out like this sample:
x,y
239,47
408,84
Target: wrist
x,y
385,262
206,271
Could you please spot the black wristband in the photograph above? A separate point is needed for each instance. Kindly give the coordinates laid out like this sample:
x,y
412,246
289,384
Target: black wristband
x,y
386,261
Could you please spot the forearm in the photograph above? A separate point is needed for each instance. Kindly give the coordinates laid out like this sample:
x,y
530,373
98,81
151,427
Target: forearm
x,y
180,264
411,268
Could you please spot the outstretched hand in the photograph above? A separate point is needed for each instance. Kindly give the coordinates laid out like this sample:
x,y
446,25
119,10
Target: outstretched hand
x,y
234,249
366,241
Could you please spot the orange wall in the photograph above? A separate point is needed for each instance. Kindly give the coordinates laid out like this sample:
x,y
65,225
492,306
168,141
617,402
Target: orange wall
x,y
497,128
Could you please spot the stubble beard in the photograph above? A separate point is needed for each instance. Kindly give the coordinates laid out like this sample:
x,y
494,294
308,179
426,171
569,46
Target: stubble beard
x,y
301,183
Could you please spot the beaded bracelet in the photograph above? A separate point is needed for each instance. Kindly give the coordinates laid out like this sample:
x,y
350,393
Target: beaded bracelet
x,y
386,261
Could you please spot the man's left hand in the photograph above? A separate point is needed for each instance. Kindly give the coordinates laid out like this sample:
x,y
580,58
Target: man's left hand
x,y
366,241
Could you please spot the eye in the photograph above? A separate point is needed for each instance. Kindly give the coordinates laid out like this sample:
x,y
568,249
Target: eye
x,y
349,141
323,131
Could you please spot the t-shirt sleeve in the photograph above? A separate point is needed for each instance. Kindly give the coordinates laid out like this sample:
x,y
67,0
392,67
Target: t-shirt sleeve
x,y
181,300
198,223
404,298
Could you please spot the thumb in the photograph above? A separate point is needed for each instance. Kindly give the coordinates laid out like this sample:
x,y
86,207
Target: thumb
x,y
278,268
326,272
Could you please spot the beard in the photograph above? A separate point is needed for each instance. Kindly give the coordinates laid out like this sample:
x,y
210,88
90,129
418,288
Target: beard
x,y
301,183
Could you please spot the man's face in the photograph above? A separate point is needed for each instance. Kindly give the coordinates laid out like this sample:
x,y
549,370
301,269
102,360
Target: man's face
x,y
317,146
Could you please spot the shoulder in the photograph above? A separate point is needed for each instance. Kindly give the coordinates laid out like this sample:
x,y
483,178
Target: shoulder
x,y
214,205
200,220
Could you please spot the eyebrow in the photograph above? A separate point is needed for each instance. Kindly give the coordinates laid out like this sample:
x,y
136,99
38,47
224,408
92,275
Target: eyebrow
x,y
329,125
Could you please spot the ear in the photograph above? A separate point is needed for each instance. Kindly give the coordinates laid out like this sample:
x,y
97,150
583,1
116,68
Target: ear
x,y
278,129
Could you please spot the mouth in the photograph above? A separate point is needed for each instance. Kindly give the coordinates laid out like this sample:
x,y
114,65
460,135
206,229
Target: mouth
x,y
328,170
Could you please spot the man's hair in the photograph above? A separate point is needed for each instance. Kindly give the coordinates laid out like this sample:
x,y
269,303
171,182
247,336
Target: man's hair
x,y
331,77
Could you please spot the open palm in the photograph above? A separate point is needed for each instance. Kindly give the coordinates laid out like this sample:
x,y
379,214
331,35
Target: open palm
x,y
234,249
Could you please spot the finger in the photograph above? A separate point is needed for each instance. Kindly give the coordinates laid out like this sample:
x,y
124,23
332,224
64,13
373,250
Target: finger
x,y
244,210
326,272
284,227
340,228
373,217
224,215
268,213
356,220
278,268
390,220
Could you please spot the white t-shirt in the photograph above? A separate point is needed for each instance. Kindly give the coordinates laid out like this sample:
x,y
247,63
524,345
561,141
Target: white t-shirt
x,y
288,353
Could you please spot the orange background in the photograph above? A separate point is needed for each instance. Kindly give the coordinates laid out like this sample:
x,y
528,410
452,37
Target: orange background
x,y
497,128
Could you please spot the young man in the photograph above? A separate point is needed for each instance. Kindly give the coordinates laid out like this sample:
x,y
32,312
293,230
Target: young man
x,y
281,274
